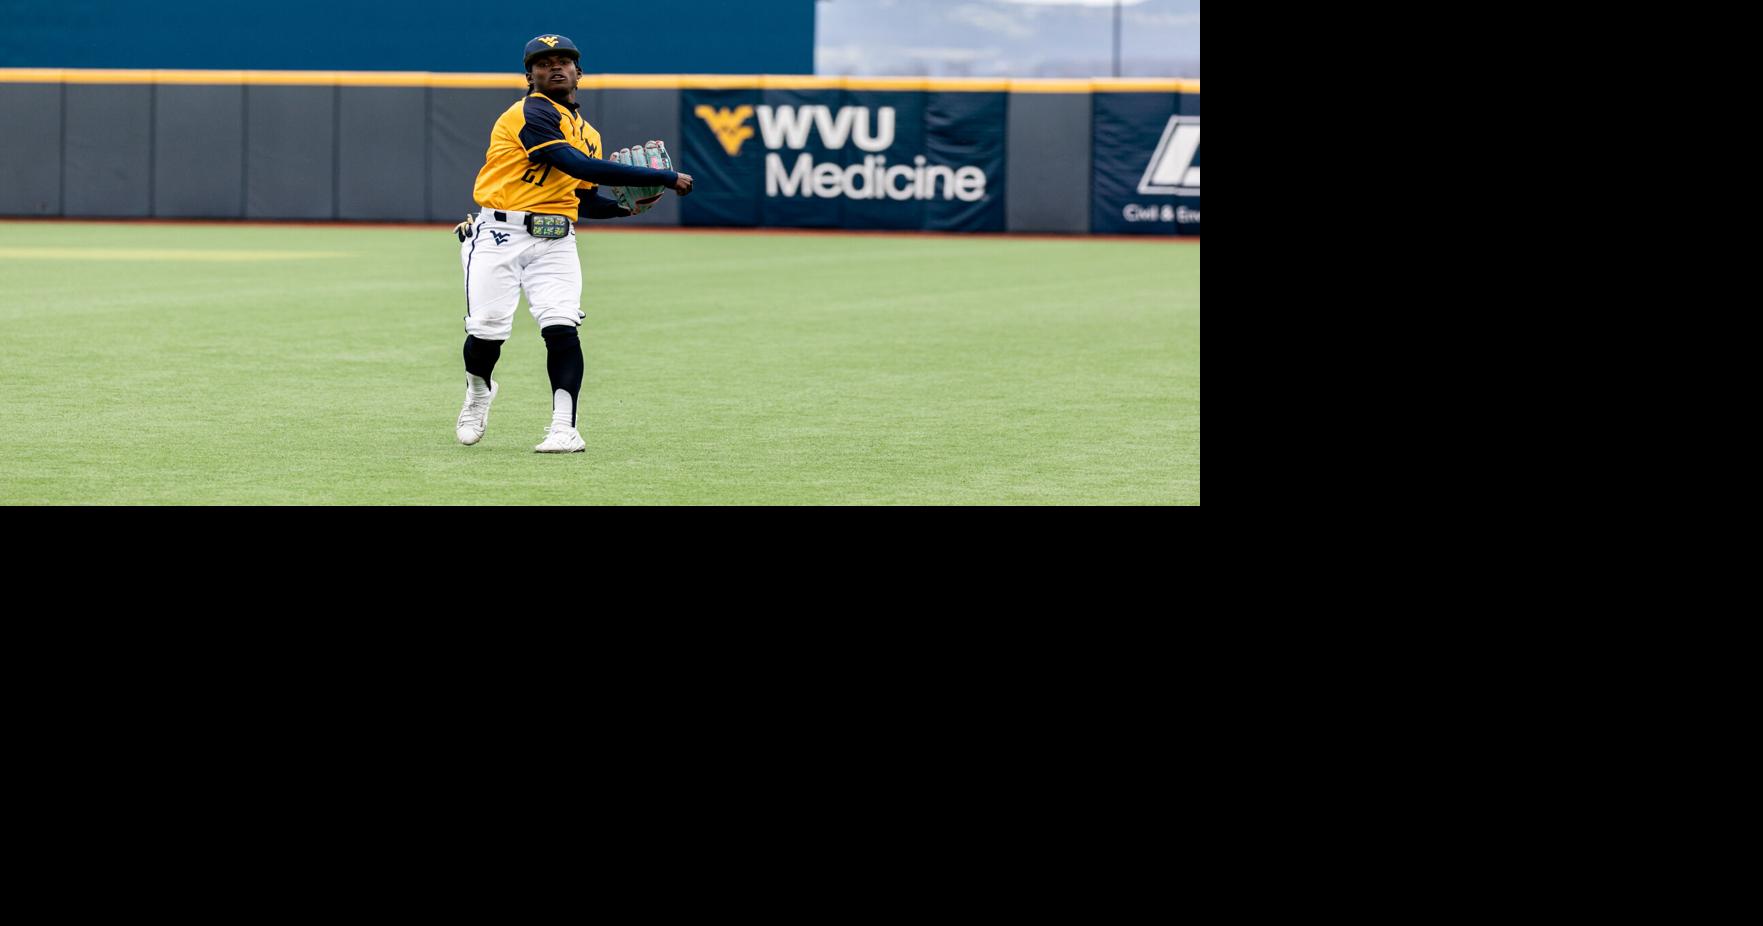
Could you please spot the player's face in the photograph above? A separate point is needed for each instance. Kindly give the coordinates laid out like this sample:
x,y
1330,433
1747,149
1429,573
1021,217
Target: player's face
x,y
555,72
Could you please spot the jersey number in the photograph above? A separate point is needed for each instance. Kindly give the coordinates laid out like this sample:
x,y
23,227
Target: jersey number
x,y
532,168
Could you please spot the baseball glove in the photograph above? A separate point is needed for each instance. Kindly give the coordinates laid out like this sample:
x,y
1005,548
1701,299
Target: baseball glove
x,y
463,230
640,199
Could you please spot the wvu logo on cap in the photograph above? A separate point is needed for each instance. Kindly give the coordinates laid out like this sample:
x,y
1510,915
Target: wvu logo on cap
x,y
730,126
550,40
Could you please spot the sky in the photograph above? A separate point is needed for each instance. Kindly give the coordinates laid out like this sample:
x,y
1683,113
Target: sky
x,y
1006,38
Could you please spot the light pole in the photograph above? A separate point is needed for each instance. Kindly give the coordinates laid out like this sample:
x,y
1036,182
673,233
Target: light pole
x,y
1117,5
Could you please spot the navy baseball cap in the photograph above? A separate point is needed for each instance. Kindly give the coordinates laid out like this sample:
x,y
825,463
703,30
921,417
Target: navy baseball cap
x,y
549,45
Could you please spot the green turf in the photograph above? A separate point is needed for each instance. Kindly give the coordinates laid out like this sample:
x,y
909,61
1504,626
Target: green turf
x,y
721,369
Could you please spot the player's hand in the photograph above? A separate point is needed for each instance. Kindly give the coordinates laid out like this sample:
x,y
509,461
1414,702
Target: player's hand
x,y
683,185
463,230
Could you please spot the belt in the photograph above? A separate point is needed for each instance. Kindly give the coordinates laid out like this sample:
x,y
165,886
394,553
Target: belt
x,y
513,218
552,222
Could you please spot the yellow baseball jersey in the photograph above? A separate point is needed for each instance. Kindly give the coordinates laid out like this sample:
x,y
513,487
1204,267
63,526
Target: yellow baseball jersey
x,y
511,180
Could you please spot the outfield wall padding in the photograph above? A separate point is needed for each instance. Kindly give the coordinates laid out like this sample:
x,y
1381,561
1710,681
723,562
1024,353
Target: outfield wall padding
x,y
107,154
1050,177
290,153
1117,157
199,152
30,149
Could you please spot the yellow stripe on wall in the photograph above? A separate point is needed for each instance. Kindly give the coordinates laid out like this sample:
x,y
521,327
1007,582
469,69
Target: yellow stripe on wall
x,y
593,81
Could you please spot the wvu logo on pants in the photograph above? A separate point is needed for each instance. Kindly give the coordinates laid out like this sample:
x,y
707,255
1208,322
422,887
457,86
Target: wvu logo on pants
x,y
730,126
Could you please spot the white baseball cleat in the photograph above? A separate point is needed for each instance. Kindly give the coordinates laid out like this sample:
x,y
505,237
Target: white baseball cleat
x,y
561,440
475,417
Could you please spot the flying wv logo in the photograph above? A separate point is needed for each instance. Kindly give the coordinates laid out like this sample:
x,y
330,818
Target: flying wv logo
x,y
1175,168
731,127
501,238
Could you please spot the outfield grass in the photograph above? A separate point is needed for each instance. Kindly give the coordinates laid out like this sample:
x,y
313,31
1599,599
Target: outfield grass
x,y
220,364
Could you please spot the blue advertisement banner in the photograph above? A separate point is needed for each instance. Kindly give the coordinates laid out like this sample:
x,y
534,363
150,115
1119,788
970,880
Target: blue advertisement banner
x,y
835,158
1146,167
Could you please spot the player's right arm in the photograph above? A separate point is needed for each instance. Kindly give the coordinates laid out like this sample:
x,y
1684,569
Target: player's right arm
x,y
542,137
606,173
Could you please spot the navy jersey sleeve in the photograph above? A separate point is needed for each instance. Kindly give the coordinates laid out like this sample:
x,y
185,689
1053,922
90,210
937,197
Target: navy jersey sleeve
x,y
543,125
595,170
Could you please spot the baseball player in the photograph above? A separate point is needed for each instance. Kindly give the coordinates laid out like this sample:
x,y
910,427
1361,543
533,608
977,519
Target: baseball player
x,y
542,169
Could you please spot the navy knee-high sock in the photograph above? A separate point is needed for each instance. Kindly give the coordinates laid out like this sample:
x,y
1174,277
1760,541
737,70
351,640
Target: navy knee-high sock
x,y
563,360
481,357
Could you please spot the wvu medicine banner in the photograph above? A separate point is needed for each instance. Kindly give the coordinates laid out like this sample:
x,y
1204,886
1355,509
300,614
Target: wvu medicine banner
x,y
1146,168
840,158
